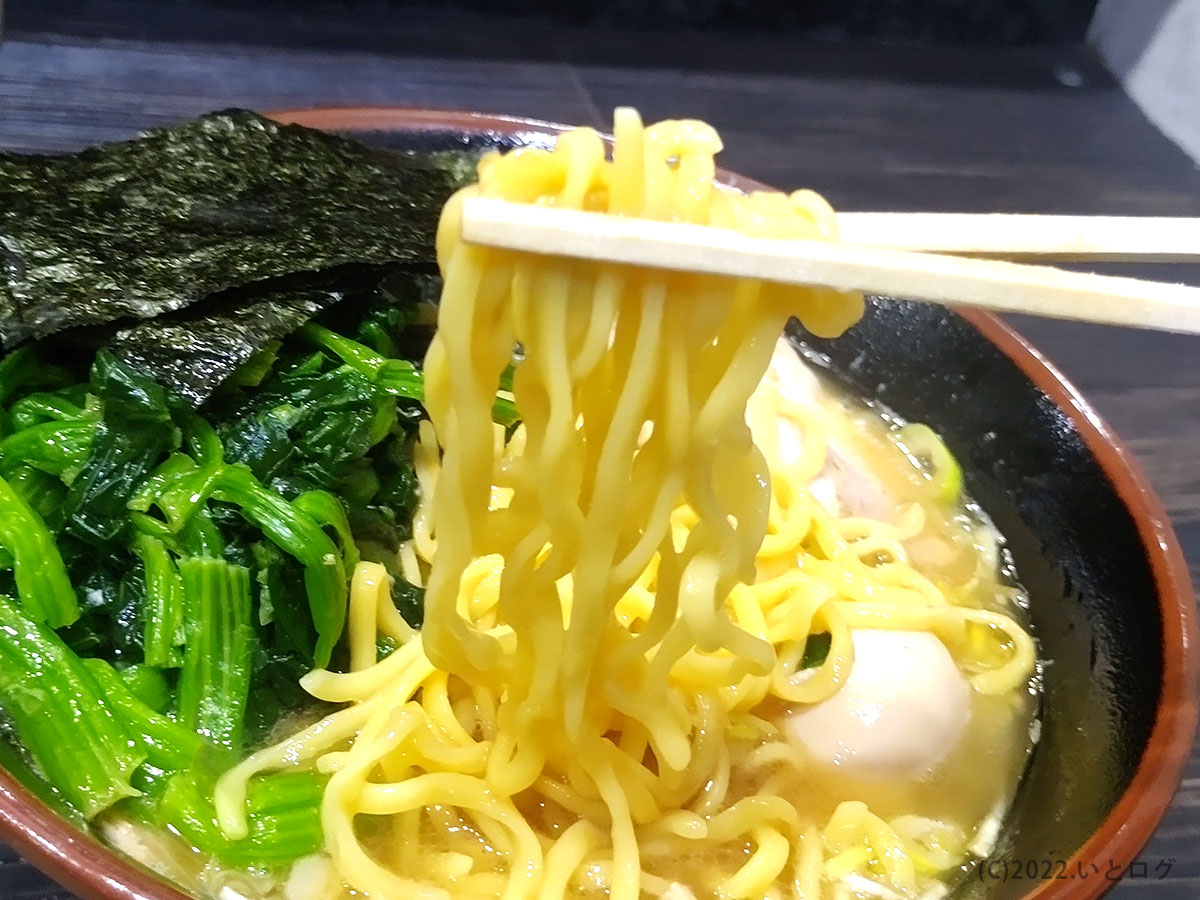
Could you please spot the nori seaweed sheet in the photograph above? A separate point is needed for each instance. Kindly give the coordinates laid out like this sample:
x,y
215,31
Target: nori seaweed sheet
x,y
144,227
192,353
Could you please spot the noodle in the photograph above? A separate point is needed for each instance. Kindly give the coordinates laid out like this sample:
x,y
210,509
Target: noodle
x,y
583,706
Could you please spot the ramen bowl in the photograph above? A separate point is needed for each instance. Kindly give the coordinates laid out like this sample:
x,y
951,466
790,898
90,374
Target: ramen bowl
x,y
1111,603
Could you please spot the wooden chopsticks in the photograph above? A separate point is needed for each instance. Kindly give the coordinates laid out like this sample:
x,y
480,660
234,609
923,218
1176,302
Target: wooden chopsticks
x,y
986,283
1033,238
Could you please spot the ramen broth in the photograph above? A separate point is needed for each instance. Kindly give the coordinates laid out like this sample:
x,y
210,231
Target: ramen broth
x,y
871,471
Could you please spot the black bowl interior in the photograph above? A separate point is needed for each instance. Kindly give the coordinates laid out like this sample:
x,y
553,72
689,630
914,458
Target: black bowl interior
x,y
1074,543
1076,548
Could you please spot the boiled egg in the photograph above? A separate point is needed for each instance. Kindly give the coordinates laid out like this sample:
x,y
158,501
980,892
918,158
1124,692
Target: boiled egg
x,y
903,708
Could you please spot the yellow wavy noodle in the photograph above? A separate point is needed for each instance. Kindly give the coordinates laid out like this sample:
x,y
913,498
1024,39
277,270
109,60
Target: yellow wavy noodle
x,y
584,707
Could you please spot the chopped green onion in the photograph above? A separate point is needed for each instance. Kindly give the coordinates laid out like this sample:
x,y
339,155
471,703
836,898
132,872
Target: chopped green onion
x,y
816,650
504,412
506,377
924,446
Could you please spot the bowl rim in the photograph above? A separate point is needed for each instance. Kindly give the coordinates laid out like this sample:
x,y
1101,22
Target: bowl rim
x,y
89,868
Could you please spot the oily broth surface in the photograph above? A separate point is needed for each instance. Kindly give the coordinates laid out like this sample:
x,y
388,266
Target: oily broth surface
x,y
975,784
972,787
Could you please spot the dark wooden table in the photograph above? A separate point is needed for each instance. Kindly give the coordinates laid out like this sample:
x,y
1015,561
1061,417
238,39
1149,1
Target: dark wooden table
x,y
1036,130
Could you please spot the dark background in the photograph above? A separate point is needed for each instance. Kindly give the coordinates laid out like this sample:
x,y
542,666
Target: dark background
x,y
920,22
987,22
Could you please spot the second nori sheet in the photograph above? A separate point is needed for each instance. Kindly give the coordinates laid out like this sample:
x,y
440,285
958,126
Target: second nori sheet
x,y
192,353
140,228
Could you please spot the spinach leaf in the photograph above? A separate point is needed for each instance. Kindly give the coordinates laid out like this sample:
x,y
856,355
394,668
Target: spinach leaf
x,y
305,429
134,434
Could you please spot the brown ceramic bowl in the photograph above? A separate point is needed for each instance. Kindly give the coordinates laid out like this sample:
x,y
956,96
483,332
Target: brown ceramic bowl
x,y
1112,606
